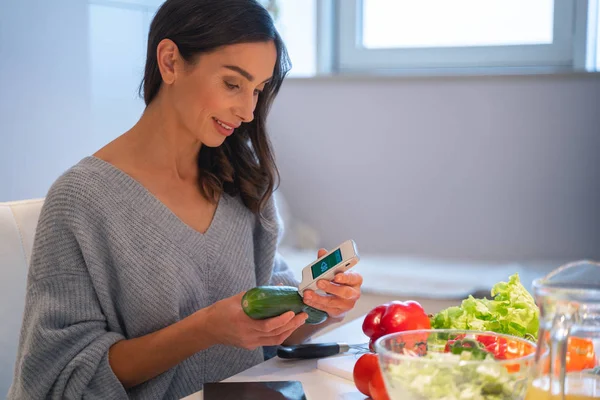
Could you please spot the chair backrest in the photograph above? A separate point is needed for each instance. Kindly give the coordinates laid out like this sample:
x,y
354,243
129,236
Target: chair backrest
x,y
18,221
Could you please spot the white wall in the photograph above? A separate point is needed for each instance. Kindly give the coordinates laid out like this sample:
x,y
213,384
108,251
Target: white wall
x,y
44,92
69,73
494,168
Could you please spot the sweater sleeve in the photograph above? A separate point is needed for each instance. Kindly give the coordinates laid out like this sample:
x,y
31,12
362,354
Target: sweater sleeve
x,y
64,342
282,274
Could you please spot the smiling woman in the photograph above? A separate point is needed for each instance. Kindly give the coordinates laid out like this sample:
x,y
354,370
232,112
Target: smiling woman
x,y
144,250
229,61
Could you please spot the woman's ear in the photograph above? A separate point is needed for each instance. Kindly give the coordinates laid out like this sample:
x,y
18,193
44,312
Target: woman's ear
x,y
167,55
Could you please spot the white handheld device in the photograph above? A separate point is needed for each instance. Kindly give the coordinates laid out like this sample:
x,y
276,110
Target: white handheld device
x,y
340,259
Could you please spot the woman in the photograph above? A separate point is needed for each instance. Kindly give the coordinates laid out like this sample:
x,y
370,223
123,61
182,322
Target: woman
x,y
143,251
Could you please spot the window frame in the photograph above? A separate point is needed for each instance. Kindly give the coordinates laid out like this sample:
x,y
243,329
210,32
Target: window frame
x,y
352,57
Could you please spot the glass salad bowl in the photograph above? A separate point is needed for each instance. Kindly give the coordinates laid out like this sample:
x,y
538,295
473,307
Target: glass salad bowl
x,y
454,364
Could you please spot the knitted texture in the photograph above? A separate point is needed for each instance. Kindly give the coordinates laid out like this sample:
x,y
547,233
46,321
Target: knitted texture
x,y
112,262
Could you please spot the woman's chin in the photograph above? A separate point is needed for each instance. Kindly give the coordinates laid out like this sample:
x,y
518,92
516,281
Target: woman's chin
x,y
214,141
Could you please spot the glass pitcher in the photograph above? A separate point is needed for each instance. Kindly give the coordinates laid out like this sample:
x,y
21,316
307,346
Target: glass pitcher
x,y
568,352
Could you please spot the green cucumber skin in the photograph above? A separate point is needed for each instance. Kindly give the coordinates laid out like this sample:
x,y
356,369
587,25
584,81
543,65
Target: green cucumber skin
x,y
271,301
315,316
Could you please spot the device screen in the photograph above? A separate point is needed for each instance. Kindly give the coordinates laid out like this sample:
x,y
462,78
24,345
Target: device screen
x,y
327,263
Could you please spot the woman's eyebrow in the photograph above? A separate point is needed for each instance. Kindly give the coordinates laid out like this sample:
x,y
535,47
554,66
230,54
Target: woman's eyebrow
x,y
243,72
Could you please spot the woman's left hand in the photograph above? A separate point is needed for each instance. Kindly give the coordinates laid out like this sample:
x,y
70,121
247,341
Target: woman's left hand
x,y
342,293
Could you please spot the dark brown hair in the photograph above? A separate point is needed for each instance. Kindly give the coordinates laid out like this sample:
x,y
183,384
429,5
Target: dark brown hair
x,y
244,164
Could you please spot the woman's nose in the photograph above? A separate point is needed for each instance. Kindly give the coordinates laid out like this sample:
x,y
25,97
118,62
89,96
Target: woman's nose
x,y
245,110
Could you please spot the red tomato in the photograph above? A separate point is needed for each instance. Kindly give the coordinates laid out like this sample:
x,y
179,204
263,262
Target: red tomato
x,y
450,342
487,340
363,372
495,345
377,387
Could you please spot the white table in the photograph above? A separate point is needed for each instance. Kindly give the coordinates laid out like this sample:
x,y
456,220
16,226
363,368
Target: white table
x,y
317,384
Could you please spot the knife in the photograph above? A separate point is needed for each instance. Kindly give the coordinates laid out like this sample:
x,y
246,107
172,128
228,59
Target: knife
x,y
316,350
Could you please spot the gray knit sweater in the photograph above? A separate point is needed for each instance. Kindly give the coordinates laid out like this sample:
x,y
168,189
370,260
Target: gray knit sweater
x,y
111,262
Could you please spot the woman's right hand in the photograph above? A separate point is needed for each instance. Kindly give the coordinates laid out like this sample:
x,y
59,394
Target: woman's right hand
x,y
227,324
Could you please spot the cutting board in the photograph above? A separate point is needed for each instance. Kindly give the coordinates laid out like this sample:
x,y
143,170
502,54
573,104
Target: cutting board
x,y
341,365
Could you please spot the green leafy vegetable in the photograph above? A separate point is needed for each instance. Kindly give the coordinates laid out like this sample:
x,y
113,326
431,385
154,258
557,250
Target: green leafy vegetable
x,y
471,345
512,310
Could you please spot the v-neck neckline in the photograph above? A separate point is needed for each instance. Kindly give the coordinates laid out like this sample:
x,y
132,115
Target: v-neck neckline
x,y
161,214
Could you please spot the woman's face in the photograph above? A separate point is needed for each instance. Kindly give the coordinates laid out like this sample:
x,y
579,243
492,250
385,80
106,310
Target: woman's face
x,y
217,93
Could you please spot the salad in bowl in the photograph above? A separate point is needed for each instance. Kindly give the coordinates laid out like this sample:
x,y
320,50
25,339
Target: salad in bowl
x,y
454,364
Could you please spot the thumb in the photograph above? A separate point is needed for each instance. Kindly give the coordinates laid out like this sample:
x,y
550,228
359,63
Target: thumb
x,y
239,295
321,253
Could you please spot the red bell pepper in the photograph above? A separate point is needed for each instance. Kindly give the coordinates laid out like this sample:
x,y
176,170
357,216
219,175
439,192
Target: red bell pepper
x,y
396,316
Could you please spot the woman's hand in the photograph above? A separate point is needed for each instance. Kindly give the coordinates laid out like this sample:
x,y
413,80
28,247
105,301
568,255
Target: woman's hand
x,y
343,292
227,324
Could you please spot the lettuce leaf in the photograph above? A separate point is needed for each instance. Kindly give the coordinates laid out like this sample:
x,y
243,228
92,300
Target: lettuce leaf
x,y
447,377
512,310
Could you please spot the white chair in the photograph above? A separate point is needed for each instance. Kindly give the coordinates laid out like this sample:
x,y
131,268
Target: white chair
x,y
18,221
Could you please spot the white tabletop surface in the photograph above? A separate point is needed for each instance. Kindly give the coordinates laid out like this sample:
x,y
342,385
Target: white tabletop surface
x,y
317,384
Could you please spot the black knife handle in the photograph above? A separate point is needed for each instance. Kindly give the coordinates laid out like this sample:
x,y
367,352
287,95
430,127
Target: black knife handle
x,y
316,350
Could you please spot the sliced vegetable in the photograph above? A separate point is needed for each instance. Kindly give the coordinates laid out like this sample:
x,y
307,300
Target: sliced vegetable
x,y
476,348
447,377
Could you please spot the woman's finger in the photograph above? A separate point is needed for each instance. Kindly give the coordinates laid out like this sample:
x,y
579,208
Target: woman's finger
x,y
270,324
343,291
276,340
326,302
294,324
349,278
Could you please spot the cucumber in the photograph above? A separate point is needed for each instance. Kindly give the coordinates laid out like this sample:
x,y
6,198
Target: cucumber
x,y
270,301
314,316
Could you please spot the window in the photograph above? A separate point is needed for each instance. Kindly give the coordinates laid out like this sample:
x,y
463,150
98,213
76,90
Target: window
x,y
411,24
296,23
401,34
369,36
594,34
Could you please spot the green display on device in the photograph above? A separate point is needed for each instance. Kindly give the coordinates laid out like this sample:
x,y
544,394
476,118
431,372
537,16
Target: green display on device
x,y
326,264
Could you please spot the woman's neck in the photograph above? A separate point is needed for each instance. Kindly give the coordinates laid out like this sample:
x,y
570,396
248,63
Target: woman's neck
x,y
160,143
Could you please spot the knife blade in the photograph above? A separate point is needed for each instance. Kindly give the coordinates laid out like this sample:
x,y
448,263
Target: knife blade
x,y
315,350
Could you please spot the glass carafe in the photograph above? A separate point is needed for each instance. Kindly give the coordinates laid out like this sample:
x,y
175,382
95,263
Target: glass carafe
x,y
568,352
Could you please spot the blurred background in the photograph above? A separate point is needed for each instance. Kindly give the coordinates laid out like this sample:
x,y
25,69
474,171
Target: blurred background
x,y
455,141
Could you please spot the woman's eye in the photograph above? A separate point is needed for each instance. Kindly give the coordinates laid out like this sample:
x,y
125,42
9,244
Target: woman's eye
x,y
231,86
